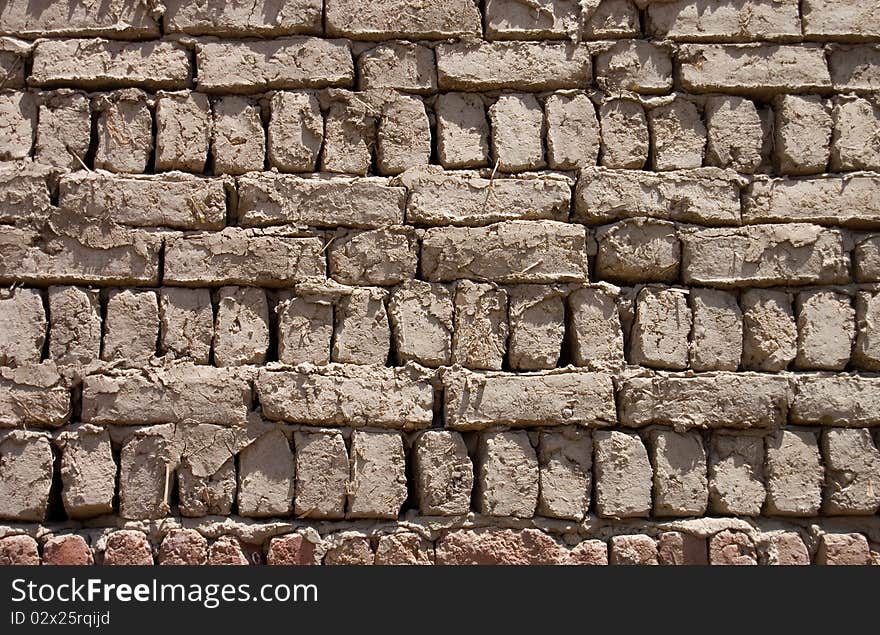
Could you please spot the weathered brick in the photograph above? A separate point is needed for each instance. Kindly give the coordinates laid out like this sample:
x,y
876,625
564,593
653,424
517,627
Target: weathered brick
x,y
625,136
537,327
866,257
13,54
544,20
404,548
127,547
732,21
386,256
240,256
131,327
736,475
532,66
209,494
852,472
490,546
75,324
254,66
227,550
353,550
186,323
33,396
734,133
19,113
240,17
435,19
638,250
764,255
125,131
361,330
769,330
841,400
623,475
866,353
634,65
732,548
507,475
794,474
852,20
786,549
753,69
680,484
23,325
462,130
826,330
595,328
349,135
322,473
18,550
843,549
681,549
443,474
707,196
517,133
855,119
296,131
403,138
479,340
717,400
238,142
403,66
266,477
855,68
241,327
717,334
573,136
511,252
421,317
589,553
114,18
678,135
146,475
661,329
183,547
24,192
25,476
183,131
292,549
347,395
305,328
565,458
637,550
802,142
67,550
88,472
378,486
64,129
482,400
200,394
102,64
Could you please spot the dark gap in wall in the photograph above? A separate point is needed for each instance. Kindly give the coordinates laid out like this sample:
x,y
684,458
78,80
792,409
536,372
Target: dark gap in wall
x,y
89,159
272,350
392,344
438,419
412,501
55,510
566,353
472,442
231,192
160,264
116,453
233,511
505,360
102,301
44,353
154,130
215,303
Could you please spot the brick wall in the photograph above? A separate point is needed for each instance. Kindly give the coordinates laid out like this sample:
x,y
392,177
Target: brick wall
x,y
439,281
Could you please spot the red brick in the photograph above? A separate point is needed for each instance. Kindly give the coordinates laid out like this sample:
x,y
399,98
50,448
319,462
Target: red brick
x,y
843,549
732,548
633,550
350,551
18,550
183,547
676,548
404,549
227,550
590,552
499,547
293,549
128,547
787,549
67,550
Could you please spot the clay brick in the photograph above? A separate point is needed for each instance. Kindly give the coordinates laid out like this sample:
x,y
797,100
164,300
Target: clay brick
x,y
511,252
589,553
852,472
271,199
753,69
736,475
565,458
296,131
547,19
507,475
479,340
347,395
322,473
240,17
537,327
146,475
131,327
803,127
404,549
866,354
475,401
732,21
127,547
866,256
227,550
349,135
67,550
115,18
13,54
362,331
378,486
88,472
679,460
176,200
64,129
24,192
855,119
102,64
238,141
634,65
625,136
734,133
254,66
198,394
33,396
769,330
421,317
826,329
843,549
764,255
18,550
718,400
489,546
305,329
397,18
786,549
529,66
403,66
443,474
517,133
855,68
717,334
849,21
638,250
794,474
633,550
25,476
125,131
241,256
292,549
241,327
661,329
706,196
266,476
24,327
678,136
462,130
732,548
355,550
680,549
19,112
573,136
183,131
404,136
595,328
183,547
186,323
206,495
623,475
842,400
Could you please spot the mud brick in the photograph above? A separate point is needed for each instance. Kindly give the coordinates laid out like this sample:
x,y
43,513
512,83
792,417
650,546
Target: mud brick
x,y
866,257
24,192
443,473
517,133
403,66
88,471
679,460
835,19
678,135
24,327
537,327
354,550
362,331
843,549
19,112
735,21
378,475
25,476
349,135
717,334
254,66
736,475
546,19
661,329
131,327
855,119
855,68
786,549
794,474
490,546
239,17
125,131
146,475
67,550
462,130
866,354
476,401
322,473
127,547
565,458
595,328
625,136
769,330
589,553
116,18
13,54
33,396
18,550
732,548
404,135
362,20
305,328
183,547
826,329
842,400
64,129
638,250
404,548
186,323
227,550
296,131
479,340
623,475
183,131
266,477
633,550
848,201
386,256
573,137
241,327
734,133
852,472
634,65
238,141
292,549
421,317
676,548
206,495
803,134
348,395
507,475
